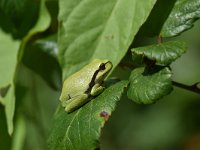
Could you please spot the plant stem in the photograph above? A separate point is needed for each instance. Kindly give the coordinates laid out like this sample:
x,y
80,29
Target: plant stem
x,y
193,88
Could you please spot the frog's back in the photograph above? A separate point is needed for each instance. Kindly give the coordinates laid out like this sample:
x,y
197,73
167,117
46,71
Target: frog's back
x,y
78,83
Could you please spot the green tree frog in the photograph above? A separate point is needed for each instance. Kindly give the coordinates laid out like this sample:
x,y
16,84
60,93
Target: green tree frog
x,y
82,85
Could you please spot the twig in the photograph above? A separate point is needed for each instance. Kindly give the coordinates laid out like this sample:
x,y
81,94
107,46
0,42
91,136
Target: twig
x,y
193,88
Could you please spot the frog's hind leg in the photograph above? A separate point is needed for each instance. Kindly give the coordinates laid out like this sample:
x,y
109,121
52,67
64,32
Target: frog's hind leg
x,y
64,102
76,102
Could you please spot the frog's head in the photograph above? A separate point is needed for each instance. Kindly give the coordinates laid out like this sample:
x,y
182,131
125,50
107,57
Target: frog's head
x,y
104,67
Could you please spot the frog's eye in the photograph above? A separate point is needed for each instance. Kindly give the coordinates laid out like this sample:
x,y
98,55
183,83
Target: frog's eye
x,y
102,67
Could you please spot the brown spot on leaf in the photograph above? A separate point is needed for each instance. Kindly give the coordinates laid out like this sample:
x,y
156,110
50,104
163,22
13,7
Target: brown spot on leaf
x,y
105,115
109,37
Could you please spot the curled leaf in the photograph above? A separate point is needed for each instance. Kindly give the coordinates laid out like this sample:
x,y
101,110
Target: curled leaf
x,y
148,86
162,54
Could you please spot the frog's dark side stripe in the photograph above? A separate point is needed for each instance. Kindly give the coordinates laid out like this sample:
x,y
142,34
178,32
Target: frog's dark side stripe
x,y
92,82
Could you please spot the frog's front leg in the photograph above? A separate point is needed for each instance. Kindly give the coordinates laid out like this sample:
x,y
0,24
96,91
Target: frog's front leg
x,y
97,89
76,102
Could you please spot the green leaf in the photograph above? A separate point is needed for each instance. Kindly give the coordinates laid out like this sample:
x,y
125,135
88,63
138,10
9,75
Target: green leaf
x,y
18,16
81,129
182,17
163,54
9,52
8,63
43,21
41,25
48,45
98,29
8,58
35,104
157,17
49,69
149,85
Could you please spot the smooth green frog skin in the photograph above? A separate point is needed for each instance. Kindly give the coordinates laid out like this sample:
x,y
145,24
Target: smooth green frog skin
x,y
82,85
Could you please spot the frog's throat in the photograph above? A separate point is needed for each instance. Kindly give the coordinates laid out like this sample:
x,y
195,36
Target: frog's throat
x,y
92,82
